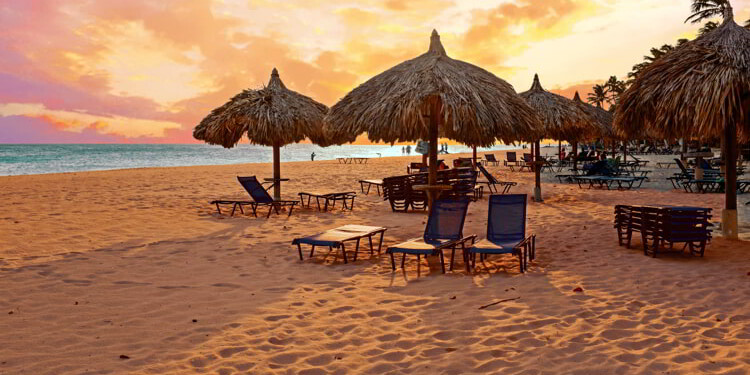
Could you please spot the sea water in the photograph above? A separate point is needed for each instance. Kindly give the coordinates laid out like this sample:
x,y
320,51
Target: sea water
x,y
17,159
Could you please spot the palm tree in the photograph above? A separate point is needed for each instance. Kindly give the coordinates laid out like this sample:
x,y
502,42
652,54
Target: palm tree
x,y
708,27
598,96
656,53
704,9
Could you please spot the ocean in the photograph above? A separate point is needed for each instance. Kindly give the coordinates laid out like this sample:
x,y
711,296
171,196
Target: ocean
x,y
20,159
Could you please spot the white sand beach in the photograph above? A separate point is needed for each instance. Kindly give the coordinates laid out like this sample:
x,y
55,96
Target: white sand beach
x,y
133,272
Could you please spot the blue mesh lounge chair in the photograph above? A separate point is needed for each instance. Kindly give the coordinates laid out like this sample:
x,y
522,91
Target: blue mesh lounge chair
x,y
506,231
492,182
444,230
260,198
490,159
510,159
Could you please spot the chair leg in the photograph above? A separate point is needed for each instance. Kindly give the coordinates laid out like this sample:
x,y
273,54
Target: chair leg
x,y
218,208
403,260
453,253
356,250
291,207
393,261
312,251
380,244
343,250
299,248
442,261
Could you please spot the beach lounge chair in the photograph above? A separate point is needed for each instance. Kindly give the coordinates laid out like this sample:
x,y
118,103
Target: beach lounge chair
x,y
506,232
260,198
414,167
328,199
490,159
335,238
510,159
444,230
492,182
370,183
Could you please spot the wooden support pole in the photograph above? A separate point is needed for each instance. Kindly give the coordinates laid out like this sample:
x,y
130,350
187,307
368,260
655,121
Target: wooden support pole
x,y
537,174
276,171
729,215
433,134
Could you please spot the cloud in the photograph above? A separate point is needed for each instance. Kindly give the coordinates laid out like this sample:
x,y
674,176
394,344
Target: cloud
x,y
77,122
113,66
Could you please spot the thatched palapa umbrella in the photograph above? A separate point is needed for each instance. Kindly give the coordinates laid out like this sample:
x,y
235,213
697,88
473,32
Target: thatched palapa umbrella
x,y
699,90
434,95
603,120
272,116
561,119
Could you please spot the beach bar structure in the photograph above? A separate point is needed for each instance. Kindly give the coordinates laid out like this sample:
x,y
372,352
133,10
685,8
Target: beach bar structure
x,y
273,116
434,96
561,119
699,90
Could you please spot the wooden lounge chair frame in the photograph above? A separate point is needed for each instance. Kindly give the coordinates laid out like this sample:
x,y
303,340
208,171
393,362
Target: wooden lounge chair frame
x,y
328,199
369,184
358,233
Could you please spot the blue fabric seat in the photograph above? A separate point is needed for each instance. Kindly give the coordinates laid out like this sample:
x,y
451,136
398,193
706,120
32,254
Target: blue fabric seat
x,y
506,231
444,230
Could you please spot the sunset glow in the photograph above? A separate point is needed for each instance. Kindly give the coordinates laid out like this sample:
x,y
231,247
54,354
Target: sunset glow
x,y
148,71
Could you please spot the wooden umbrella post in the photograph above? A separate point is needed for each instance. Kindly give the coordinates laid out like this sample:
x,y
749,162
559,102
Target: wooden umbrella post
x,y
537,174
433,133
575,155
474,158
729,214
276,171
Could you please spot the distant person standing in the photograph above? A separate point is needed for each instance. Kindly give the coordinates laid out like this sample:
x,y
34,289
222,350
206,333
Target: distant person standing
x,y
312,157
408,149
403,150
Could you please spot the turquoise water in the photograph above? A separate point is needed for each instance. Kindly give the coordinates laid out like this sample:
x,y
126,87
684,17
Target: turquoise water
x,y
17,159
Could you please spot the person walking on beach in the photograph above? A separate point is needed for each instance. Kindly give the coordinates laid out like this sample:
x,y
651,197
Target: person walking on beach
x,y
312,157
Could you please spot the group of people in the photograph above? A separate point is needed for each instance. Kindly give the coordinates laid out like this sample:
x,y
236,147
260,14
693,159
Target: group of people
x,y
406,150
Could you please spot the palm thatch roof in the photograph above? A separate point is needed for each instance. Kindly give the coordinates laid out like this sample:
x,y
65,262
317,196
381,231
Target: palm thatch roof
x,y
478,108
695,90
603,118
562,119
271,115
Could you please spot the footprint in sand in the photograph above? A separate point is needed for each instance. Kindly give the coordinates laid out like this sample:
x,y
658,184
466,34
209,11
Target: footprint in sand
x,y
78,282
228,352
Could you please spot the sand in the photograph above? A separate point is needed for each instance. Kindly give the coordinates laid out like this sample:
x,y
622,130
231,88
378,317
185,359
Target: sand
x,y
99,265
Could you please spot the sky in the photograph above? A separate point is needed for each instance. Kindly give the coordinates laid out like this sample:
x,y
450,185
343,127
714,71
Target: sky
x,y
147,71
